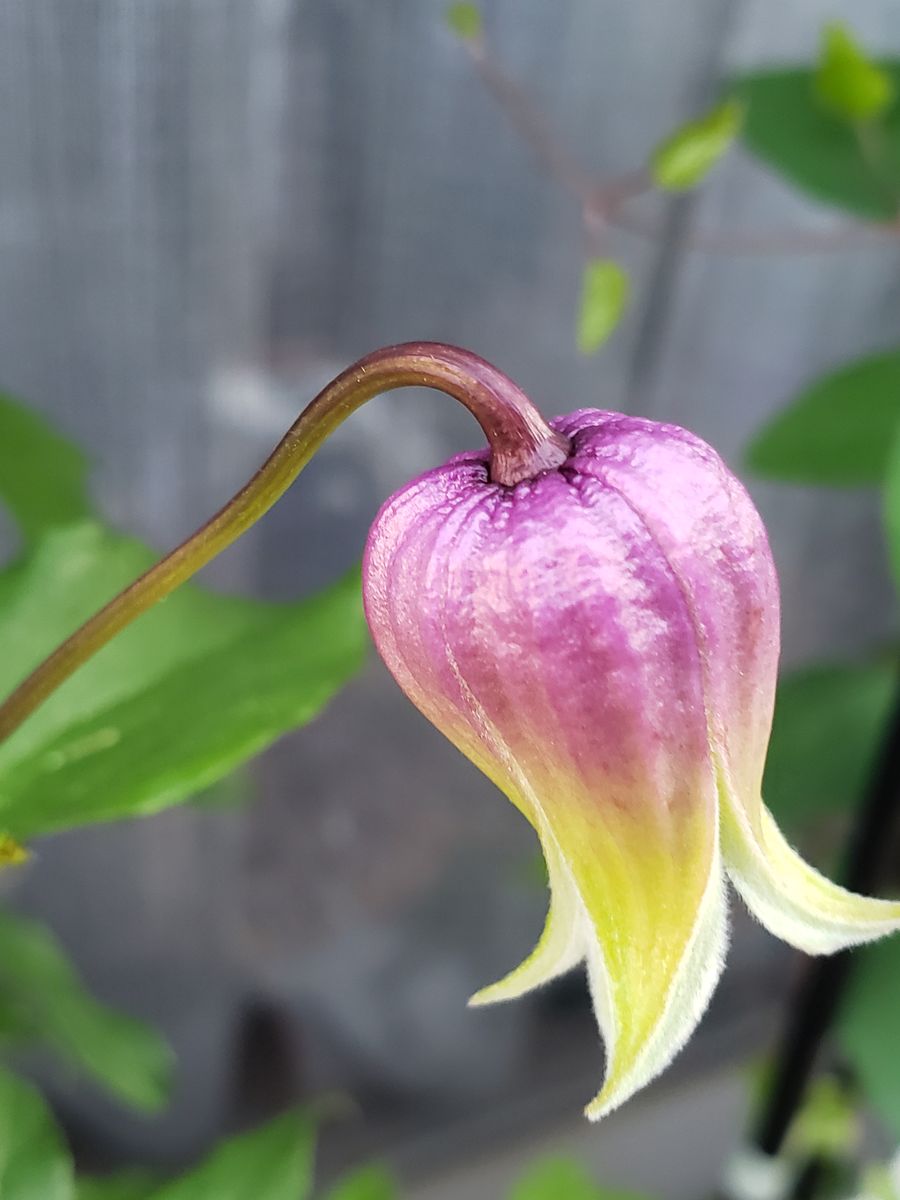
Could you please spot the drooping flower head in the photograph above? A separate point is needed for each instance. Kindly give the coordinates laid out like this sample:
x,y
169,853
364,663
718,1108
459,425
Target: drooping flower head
x,y
589,611
601,640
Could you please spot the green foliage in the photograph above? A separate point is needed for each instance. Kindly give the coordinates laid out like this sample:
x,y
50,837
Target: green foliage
x,y
563,1179
891,506
788,129
867,1028
42,1000
369,1183
827,1125
272,1163
847,82
839,431
604,295
42,476
465,21
191,690
828,720
124,1185
34,1163
687,156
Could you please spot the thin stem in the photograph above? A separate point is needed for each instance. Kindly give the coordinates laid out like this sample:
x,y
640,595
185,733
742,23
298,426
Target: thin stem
x,y
604,202
521,444
825,983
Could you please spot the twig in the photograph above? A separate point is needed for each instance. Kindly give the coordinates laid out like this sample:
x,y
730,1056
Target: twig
x,y
603,202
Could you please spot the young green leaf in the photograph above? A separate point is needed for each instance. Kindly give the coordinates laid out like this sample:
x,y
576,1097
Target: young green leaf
x,y
42,476
124,1185
194,688
465,21
369,1183
847,82
43,995
869,1028
34,1162
828,1123
787,128
604,296
272,1163
558,1178
839,431
11,853
687,156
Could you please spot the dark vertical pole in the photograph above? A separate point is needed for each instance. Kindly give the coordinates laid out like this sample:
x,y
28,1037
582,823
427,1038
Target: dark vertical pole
x,y
824,984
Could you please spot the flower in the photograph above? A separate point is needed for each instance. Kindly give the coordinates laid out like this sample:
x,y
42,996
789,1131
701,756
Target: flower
x,y
601,640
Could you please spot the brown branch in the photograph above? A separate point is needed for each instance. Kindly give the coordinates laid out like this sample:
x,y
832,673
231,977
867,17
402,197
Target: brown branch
x,y
604,202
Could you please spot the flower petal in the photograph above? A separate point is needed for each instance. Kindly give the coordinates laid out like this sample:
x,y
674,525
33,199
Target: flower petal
x,y
544,632
789,896
562,945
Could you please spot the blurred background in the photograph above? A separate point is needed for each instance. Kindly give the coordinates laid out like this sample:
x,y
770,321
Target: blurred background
x,y
207,209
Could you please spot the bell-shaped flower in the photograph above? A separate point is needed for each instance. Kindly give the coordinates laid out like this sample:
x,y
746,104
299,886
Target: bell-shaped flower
x,y
601,640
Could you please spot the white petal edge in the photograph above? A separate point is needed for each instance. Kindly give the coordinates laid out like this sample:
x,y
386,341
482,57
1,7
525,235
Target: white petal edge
x,y
788,896
689,995
561,945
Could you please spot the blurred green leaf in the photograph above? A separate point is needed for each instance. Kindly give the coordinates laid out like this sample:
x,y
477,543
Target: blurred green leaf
x,y
369,1183
272,1163
11,853
828,721
604,295
465,21
847,82
124,1185
827,1125
687,156
891,506
34,1162
787,128
839,431
192,689
42,476
869,1028
879,1182
563,1179
46,1002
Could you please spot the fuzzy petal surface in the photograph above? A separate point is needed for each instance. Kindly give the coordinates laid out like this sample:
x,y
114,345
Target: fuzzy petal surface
x,y
543,631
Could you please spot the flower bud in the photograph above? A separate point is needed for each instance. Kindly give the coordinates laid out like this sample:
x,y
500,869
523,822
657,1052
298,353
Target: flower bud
x,y
601,640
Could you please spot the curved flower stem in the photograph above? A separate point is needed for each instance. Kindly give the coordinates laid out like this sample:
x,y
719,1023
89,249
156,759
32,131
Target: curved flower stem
x,y
521,445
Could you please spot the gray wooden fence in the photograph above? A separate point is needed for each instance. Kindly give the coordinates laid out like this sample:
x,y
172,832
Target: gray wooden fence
x,y
208,207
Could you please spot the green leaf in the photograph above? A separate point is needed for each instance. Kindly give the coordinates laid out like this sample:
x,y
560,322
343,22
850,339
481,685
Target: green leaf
x,y
11,853
869,1028
272,1163
604,295
124,1185
34,1162
827,727
563,1179
827,1125
45,1001
42,476
891,507
687,156
465,21
192,689
787,128
839,431
847,82
369,1183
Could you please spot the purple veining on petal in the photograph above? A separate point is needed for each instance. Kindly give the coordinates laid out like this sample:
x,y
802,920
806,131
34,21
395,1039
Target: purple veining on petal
x,y
545,613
